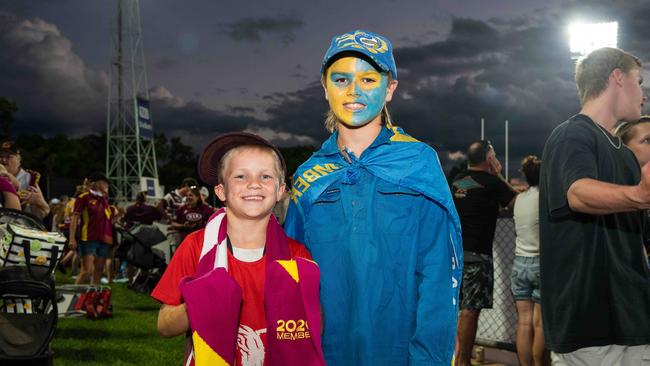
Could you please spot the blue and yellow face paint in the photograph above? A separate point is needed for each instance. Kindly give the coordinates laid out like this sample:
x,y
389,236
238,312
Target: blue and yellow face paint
x,y
356,91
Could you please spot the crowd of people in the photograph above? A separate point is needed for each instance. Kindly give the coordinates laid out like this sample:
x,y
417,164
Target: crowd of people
x,y
88,218
404,260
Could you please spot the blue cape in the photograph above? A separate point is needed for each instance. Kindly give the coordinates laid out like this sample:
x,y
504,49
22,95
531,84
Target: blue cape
x,y
404,161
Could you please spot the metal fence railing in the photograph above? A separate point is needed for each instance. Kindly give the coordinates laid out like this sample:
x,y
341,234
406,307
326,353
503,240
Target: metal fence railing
x,y
497,326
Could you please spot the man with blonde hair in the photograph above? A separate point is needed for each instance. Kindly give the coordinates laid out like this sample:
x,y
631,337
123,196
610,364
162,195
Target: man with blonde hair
x,y
595,282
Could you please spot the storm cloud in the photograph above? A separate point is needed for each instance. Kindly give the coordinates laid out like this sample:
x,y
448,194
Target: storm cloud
x,y
53,88
254,29
500,68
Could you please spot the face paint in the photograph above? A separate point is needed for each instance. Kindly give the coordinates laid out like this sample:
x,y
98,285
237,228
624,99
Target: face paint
x,y
356,91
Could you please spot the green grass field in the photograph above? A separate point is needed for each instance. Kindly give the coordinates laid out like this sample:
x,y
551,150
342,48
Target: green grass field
x,y
129,338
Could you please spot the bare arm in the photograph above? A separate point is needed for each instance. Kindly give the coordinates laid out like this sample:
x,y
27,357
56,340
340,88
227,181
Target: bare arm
x,y
11,200
599,198
74,220
495,169
172,320
12,179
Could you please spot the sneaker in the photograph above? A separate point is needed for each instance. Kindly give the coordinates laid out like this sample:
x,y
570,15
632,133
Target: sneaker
x,y
104,280
61,269
121,280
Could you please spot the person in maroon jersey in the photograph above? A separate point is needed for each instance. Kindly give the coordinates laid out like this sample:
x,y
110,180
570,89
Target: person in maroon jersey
x,y
141,212
92,215
193,215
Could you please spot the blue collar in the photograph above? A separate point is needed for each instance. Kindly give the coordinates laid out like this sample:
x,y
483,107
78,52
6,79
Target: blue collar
x,y
330,146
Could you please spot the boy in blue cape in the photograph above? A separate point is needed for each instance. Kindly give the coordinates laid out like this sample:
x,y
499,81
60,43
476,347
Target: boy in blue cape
x,y
373,207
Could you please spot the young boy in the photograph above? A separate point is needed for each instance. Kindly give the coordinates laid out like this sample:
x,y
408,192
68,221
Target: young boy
x,y
240,287
374,208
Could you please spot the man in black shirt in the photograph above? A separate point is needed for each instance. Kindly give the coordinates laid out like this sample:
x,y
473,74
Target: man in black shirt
x,y
479,192
595,282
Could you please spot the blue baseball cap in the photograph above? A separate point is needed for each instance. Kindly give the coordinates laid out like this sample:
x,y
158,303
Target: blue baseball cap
x,y
378,48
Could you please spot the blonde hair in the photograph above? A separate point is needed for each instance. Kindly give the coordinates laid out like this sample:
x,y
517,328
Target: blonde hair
x,y
593,70
225,159
628,130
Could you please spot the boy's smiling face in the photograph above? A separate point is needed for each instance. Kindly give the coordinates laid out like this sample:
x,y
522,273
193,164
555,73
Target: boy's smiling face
x,y
251,184
356,91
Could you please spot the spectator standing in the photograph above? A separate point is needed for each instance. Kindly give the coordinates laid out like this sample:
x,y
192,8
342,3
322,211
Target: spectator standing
x,y
69,209
112,263
142,213
55,217
374,208
69,254
31,197
193,215
525,269
92,216
479,192
176,198
595,280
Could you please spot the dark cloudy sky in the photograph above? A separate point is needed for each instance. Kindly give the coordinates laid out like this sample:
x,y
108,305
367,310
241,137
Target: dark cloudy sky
x,y
216,66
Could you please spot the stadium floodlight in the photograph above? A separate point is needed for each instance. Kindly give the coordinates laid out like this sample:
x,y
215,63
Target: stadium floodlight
x,y
586,37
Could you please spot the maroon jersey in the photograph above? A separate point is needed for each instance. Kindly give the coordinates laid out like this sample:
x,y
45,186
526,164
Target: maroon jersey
x,y
95,215
195,217
142,213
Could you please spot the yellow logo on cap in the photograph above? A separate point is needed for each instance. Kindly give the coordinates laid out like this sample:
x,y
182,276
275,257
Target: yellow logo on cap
x,y
362,40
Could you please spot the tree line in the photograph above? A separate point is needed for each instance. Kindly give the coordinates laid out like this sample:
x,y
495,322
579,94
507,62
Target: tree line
x,y
60,156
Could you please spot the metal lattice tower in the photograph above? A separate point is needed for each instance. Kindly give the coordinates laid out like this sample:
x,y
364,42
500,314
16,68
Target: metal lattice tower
x,y
130,152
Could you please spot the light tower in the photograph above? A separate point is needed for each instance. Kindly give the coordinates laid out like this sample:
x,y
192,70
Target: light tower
x,y
130,153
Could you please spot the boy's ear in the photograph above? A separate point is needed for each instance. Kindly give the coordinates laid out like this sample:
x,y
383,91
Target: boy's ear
x,y
220,191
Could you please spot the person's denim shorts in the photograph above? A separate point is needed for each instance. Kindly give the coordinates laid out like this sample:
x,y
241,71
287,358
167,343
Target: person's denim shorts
x,y
93,247
478,282
524,279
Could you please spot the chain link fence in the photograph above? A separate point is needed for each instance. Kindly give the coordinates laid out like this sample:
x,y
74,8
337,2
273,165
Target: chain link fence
x,y
497,326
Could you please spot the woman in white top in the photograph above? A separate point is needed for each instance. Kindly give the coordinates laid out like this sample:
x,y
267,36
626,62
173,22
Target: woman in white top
x,y
525,269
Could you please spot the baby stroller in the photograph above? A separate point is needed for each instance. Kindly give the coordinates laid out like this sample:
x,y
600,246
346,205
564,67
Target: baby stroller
x,y
136,248
11,216
28,306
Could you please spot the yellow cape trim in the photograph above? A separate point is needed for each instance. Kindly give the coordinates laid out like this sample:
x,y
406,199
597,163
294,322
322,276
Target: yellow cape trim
x,y
400,137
